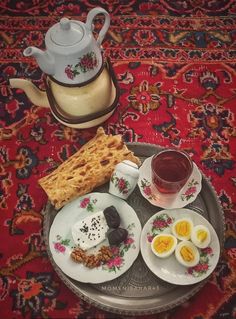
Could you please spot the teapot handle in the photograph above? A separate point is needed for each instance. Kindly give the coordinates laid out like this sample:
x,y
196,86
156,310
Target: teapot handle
x,y
91,15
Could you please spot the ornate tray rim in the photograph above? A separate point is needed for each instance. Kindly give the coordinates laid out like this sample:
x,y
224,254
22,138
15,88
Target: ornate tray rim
x,y
89,293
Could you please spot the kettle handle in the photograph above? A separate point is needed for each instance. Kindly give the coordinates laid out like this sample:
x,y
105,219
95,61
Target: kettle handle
x,y
91,15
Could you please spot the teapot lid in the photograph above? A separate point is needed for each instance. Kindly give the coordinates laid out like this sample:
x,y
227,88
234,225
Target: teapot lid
x,y
66,32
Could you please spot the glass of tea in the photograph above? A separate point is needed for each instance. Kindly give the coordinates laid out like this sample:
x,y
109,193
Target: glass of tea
x,y
171,168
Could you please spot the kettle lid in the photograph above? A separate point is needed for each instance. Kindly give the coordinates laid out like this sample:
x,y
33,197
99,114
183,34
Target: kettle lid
x,y
66,32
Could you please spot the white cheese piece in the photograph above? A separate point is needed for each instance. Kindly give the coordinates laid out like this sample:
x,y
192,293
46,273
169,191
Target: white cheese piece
x,y
90,231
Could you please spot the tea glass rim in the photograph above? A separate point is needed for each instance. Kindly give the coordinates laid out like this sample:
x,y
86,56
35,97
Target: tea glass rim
x,y
182,152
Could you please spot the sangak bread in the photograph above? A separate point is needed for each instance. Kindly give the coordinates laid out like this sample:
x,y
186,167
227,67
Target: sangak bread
x,y
88,168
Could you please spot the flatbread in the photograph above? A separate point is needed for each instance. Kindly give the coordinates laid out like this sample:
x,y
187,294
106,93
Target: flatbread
x,y
88,168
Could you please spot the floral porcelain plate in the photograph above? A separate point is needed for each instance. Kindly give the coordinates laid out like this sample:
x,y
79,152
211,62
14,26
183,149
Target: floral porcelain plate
x,y
187,194
61,241
169,268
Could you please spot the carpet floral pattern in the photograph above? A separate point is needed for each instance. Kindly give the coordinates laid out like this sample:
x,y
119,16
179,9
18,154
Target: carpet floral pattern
x,y
175,62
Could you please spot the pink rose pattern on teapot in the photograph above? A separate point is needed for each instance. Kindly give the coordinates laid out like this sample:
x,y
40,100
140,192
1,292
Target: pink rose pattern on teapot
x,y
87,63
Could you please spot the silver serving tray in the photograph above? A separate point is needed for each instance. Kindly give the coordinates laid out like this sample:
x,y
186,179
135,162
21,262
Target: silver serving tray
x,y
139,291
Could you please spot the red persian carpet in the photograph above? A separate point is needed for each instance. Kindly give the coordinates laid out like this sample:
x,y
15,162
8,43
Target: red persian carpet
x,y
175,62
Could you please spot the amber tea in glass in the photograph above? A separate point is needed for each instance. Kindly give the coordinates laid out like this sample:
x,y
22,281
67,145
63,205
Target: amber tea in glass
x,y
170,170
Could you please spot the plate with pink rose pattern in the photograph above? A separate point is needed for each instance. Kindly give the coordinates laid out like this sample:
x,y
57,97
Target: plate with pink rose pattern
x,y
61,241
185,196
169,268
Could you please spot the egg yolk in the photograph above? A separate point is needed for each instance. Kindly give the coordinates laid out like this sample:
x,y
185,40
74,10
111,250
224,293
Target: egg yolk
x,y
183,228
201,235
163,244
187,253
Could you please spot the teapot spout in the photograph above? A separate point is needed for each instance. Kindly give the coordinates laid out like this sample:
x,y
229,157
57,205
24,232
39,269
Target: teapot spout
x,y
35,95
45,60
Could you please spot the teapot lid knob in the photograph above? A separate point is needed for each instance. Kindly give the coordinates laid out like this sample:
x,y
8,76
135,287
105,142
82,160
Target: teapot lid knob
x,y
66,32
65,23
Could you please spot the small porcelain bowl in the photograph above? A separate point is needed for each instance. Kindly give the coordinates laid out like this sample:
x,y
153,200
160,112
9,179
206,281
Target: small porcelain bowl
x,y
124,179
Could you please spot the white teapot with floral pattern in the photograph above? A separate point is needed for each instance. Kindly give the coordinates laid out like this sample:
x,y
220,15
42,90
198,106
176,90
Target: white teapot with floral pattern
x,y
73,56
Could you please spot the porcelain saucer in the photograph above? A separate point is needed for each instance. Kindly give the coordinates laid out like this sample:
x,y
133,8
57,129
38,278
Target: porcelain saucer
x,y
169,269
61,242
186,195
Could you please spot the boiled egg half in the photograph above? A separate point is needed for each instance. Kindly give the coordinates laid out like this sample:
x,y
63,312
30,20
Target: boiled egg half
x,y
182,228
187,254
163,245
201,236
